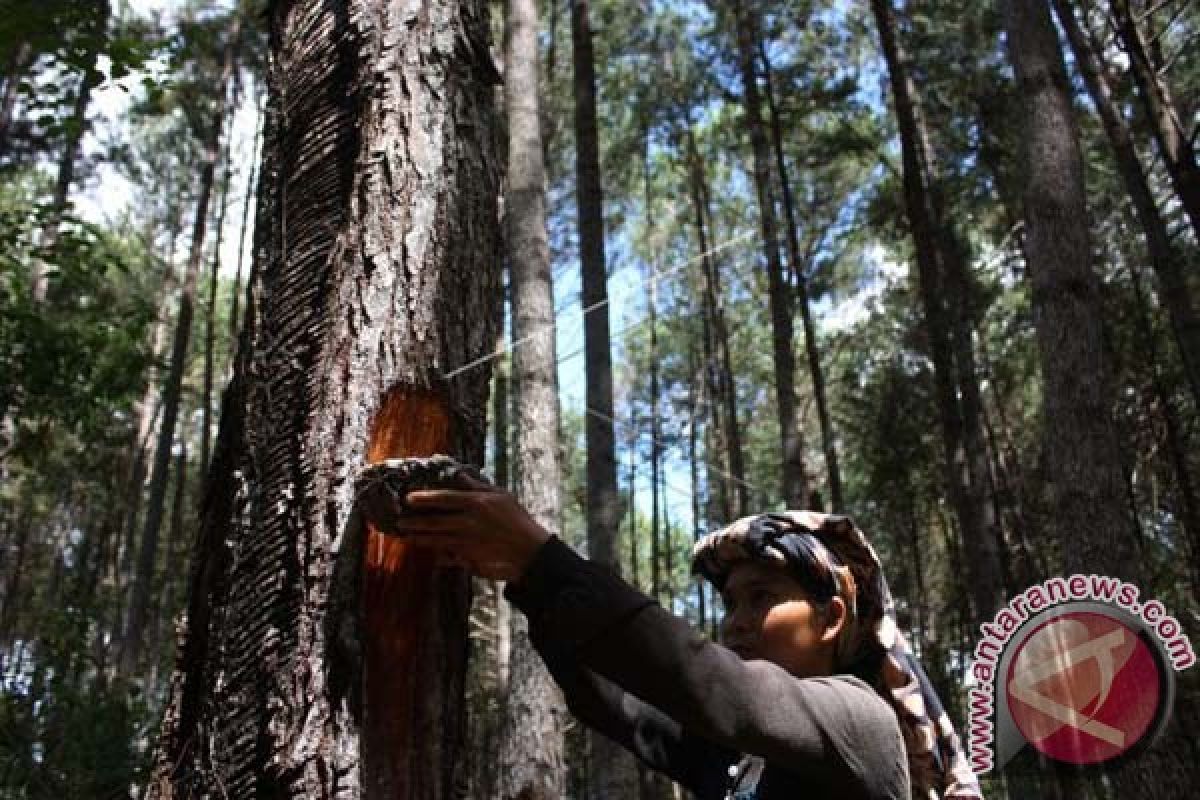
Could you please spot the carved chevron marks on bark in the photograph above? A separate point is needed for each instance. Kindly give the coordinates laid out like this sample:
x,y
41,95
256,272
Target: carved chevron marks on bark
x,y
376,271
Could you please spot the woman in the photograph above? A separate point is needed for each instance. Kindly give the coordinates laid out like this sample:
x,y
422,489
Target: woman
x,y
811,693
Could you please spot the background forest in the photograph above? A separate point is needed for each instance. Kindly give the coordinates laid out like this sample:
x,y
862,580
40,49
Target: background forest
x,y
833,263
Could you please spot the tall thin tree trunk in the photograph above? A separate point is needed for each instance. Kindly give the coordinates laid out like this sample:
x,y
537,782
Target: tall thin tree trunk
x,y
694,403
795,489
981,489
374,288
668,554
531,764
1170,130
980,543
1028,528
235,291
615,775
139,596
799,270
210,309
656,548
717,353
602,509
1188,511
146,413
1080,444
162,628
1167,260
717,501
633,534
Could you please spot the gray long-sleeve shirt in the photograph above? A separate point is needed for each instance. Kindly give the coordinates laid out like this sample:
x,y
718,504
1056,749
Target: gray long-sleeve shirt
x,y
693,709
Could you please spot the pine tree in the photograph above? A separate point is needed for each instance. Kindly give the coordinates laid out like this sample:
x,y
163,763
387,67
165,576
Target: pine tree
x,y
374,279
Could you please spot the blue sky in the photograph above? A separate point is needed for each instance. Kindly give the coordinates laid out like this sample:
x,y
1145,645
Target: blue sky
x,y
629,292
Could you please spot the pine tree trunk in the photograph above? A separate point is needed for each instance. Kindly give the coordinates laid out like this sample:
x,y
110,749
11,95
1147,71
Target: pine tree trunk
x,y
694,403
139,596
146,414
719,363
1079,439
210,310
602,503
235,291
633,533
530,763
374,285
1167,260
795,487
1175,142
613,775
1188,510
799,268
161,628
656,546
982,559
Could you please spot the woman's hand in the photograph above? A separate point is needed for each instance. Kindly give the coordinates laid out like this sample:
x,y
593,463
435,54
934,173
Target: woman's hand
x,y
479,527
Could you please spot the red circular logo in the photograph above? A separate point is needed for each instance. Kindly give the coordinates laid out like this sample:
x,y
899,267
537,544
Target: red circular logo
x,y
1084,688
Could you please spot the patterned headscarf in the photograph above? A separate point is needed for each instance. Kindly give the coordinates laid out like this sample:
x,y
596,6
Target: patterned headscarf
x,y
824,550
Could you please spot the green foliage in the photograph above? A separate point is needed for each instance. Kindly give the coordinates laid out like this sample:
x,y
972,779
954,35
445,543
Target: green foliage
x,y
72,743
55,49
78,359
79,354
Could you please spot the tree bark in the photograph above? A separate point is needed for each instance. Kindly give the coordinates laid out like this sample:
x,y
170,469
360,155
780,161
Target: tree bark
x,y
613,774
530,763
139,596
374,288
795,487
1167,260
1080,441
1080,444
799,269
1175,141
980,542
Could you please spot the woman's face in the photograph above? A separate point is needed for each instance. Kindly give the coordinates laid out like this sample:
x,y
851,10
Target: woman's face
x,y
769,615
